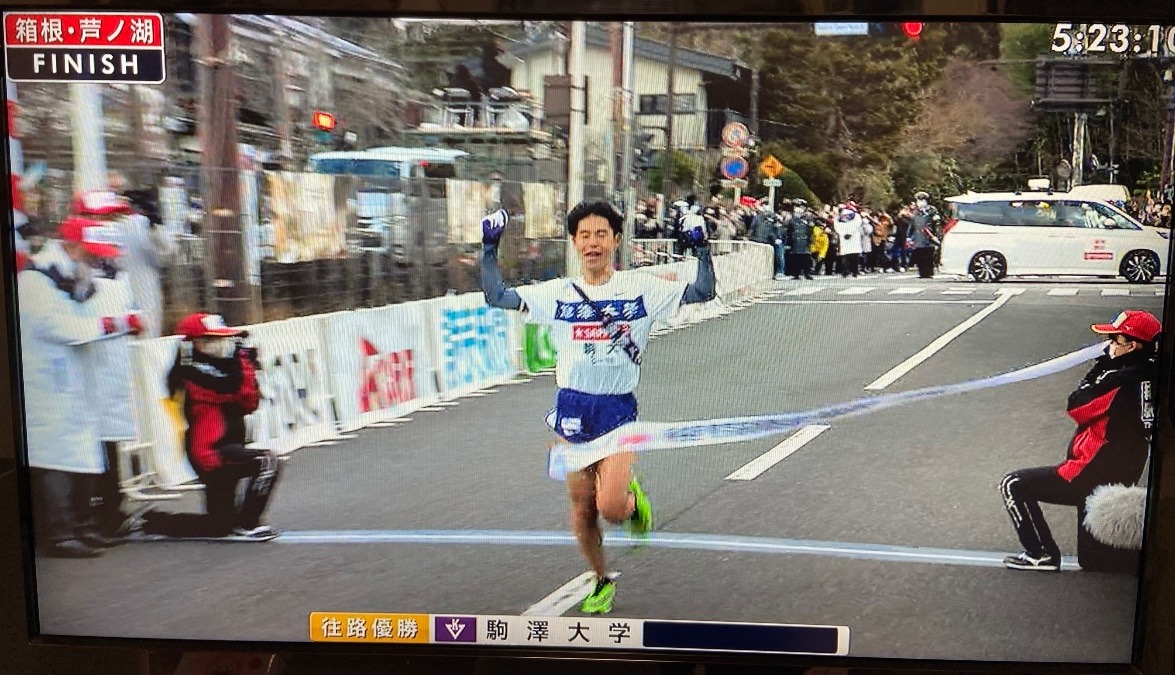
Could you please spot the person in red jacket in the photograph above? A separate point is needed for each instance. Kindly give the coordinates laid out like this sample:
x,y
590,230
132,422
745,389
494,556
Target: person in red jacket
x,y
217,378
1113,407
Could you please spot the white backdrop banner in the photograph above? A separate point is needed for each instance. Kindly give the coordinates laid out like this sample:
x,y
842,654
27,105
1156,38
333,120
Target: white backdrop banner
x,y
295,388
380,363
475,345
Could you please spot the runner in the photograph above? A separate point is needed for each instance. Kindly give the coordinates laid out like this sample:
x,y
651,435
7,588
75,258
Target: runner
x,y
600,324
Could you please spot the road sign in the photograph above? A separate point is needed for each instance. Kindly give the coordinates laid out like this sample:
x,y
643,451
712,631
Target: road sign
x,y
728,151
735,134
771,167
737,183
772,183
735,167
841,28
93,47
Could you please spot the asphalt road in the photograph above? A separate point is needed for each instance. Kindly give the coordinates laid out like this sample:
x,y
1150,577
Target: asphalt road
x,y
900,480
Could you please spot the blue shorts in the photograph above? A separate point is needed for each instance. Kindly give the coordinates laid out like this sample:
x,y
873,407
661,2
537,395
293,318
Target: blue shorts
x,y
580,417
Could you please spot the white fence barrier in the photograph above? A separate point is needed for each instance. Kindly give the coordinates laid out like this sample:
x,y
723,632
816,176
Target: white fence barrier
x,y
342,371
381,363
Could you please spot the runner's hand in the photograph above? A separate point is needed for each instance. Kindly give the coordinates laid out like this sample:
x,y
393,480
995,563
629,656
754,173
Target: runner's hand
x,y
492,227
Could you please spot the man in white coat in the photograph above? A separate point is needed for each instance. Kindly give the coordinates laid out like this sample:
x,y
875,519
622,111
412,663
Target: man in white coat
x,y
64,452
849,228
147,249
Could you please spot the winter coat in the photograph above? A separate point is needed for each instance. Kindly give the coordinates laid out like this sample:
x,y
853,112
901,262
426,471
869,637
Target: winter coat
x,y
60,415
109,371
922,227
819,242
1114,407
799,234
146,252
848,229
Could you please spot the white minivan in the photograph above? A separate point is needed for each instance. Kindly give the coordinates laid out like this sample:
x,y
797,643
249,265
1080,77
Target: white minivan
x,y
992,235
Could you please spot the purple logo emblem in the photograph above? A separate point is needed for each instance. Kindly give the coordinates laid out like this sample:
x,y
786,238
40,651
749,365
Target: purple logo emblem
x,y
455,629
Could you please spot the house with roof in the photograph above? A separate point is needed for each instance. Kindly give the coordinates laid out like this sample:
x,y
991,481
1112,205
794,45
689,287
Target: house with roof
x,y
709,90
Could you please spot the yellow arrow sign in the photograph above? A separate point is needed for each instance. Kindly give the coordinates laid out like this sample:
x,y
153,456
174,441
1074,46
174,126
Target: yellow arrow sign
x,y
771,167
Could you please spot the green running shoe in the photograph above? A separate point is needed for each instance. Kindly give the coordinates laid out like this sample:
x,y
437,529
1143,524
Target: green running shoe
x,y
641,521
600,599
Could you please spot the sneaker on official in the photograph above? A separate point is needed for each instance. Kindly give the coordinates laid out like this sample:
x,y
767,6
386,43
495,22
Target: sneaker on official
x,y
259,533
599,601
1024,561
640,523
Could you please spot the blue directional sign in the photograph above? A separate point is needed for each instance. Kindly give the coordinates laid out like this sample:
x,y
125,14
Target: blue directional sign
x,y
735,167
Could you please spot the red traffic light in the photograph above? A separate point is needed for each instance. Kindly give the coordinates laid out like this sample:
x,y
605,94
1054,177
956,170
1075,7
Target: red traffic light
x,y
324,121
912,30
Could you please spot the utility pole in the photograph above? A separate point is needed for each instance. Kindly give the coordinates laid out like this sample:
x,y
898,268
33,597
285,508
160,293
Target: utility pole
x,y
218,144
667,176
626,158
616,135
575,132
755,103
89,137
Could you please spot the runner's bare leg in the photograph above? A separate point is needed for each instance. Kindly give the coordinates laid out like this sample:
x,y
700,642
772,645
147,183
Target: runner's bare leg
x,y
585,519
613,475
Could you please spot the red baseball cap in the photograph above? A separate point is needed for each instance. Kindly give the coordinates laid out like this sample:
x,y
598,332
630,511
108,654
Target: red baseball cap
x,y
95,236
1132,323
99,203
202,325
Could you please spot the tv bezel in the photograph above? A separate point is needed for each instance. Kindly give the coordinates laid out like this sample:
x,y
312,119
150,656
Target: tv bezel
x,y
1154,635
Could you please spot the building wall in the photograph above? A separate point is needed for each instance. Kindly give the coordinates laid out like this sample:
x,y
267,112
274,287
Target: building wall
x,y
649,77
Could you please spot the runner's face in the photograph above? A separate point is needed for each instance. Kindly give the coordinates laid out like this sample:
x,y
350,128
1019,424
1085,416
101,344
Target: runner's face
x,y
596,243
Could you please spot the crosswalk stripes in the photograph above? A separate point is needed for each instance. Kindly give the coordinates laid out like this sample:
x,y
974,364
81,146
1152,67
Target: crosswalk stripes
x,y
959,291
907,291
1115,291
857,290
807,290
1066,292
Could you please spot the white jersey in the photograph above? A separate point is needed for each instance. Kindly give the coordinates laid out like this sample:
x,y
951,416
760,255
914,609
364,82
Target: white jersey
x,y
587,360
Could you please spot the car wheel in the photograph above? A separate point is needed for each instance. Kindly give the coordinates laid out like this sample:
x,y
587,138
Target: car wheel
x,y
1140,267
987,267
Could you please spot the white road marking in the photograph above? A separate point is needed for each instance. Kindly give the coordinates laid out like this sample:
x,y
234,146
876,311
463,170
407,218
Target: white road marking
x,y
1069,292
322,444
959,291
1115,291
858,290
563,598
904,291
933,348
433,408
789,446
1010,291
807,290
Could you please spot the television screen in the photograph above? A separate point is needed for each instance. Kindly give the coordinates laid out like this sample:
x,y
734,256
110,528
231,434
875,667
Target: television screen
x,y
831,338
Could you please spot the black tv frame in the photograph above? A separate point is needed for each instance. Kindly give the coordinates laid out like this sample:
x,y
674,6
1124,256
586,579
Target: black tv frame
x,y
1154,649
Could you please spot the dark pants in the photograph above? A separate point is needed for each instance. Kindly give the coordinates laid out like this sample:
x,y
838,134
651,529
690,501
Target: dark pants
x,y
108,505
1025,490
62,505
799,264
850,264
827,263
223,511
924,259
899,257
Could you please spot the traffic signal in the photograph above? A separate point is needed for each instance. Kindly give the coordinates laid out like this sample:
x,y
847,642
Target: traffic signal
x,y
909,29
324,121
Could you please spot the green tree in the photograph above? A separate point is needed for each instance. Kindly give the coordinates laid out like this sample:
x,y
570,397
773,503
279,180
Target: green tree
x,y
683,170
1024,42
